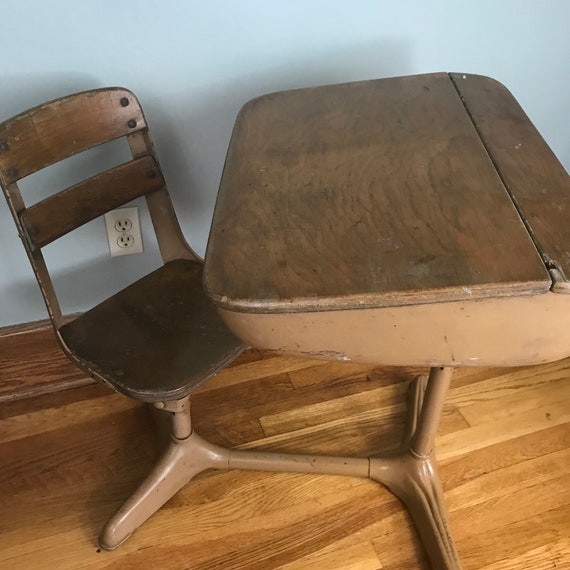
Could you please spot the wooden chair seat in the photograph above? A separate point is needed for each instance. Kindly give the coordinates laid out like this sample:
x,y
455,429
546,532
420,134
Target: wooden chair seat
x,y
158,339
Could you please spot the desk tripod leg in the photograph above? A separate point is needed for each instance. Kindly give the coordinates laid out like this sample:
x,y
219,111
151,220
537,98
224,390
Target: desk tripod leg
x,y
412,474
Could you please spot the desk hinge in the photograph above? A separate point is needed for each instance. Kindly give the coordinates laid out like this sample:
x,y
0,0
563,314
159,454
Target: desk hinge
x,y
559,282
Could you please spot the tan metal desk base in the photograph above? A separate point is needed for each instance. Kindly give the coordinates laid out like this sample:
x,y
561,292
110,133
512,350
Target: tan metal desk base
x,y
410,474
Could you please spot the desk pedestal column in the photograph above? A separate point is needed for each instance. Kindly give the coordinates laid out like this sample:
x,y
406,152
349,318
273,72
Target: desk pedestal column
x,y
412,474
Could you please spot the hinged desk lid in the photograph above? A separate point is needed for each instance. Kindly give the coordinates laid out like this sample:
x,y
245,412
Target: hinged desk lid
x,y
364,194
538,183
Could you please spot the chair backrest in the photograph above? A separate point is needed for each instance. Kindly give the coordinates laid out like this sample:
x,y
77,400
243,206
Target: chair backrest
x,y
62,128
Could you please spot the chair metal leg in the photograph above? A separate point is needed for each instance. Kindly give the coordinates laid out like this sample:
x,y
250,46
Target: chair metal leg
x,y
184,457
411,474
181,461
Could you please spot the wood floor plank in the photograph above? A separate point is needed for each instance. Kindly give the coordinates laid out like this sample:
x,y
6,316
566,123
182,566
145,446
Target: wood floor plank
x,y
257,370
390,400
489,433
504,544
506,509
358,557
476,463
551,555
474,387
18,406
370,432
32,363
33,423
524,400
509,480
323,370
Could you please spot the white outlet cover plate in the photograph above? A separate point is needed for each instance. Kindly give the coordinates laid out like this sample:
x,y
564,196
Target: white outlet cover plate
x,y
113,235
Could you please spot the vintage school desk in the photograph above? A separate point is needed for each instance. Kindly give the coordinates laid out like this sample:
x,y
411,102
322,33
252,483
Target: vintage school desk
x,y
409,221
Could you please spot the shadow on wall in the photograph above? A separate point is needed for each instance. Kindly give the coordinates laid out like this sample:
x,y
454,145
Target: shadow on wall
x,y
191,121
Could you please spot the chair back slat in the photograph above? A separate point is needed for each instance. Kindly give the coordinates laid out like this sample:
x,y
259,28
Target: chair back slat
x,y
57,215
51,132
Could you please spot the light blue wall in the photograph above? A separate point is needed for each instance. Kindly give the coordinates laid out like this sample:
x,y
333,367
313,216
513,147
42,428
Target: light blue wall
x,y
194,63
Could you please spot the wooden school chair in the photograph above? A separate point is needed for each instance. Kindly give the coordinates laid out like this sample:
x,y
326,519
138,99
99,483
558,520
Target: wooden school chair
x,y
167,337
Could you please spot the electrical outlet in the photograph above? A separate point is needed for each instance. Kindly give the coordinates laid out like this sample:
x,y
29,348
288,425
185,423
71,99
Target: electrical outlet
x,y
124,231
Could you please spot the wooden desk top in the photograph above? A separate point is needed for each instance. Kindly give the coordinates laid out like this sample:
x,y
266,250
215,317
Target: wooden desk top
x,y
382,193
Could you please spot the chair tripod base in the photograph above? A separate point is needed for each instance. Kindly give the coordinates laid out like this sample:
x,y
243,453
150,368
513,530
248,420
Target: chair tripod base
x,y
410,474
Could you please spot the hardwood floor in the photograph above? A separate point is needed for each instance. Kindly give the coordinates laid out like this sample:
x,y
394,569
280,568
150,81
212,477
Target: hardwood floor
x,y
69,458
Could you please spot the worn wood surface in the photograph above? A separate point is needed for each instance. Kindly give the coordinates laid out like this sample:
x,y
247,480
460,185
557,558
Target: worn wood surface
x,y
64,127
533,175
167,336
364,194
67,460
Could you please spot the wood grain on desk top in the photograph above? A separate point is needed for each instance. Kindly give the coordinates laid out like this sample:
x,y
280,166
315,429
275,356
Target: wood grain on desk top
x,y
364,194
